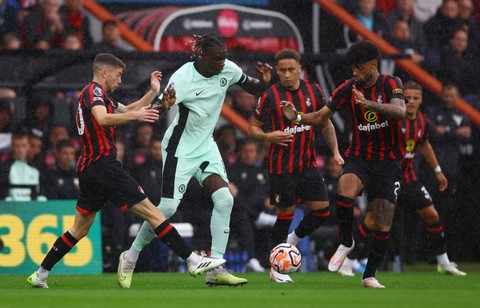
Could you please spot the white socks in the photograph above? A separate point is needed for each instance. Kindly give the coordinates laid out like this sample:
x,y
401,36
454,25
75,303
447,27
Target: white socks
x,y
293,238
443,259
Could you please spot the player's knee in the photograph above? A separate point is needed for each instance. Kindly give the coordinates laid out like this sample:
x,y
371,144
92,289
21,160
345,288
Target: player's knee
x,y
429,215
222,200
168,207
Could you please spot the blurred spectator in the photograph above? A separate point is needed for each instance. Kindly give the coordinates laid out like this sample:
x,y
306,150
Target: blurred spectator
x,y
8,17
40,119
75,21
18,180
449,129
5,126
61,181
57,133
10,41
372,19
149,174
137,151
460,65
404,11
425,9
439,28
41,44
26,7
70,41
226,139
248,185
43,25
36,151
243,102
466,12
110,38
400,38
386,6
7,93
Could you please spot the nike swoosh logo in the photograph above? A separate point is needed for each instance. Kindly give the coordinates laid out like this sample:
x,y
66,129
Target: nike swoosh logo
x,y
198,93
226,232
123,277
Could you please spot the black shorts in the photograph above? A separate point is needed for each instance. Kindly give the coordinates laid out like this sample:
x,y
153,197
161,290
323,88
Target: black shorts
x,y
380,178
105,180
307,185
414,196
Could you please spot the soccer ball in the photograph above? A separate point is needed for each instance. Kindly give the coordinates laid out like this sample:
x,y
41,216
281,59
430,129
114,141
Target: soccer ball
x,y
285,258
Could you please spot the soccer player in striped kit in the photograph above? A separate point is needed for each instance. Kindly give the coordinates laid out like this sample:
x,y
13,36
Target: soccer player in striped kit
x,y
292,157
375,104
413,195
101,175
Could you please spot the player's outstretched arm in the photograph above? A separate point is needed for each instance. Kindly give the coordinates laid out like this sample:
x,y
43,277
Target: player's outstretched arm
x,y
313,118
155,79
144,114
427,151
256,86
396,108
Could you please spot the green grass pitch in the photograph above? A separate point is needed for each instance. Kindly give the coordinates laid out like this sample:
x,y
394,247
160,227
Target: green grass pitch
x,y
411,288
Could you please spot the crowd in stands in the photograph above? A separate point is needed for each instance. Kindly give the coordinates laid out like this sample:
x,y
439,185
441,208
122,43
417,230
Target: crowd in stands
x,y
52,24
443,37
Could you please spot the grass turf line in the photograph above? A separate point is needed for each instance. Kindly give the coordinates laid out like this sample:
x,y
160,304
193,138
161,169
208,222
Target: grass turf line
x,y
408,289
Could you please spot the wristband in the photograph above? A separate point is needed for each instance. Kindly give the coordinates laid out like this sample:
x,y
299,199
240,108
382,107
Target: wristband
x,y
437,169
298,118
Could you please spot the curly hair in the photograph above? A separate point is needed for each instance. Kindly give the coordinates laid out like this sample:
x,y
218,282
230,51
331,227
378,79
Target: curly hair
x,y
362,52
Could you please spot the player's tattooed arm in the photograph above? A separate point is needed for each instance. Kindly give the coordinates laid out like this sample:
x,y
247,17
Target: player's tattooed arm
x,y
396,108
330,138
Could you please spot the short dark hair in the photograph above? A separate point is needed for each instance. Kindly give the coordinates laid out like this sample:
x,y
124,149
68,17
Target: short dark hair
x,y
287,53
64,143
413,85
449,85
246,141
362,52
109,22
107,59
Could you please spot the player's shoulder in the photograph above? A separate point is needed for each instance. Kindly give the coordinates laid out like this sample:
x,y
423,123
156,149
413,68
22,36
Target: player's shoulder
x,y
185,68
94,87
345,86
230,67
389,79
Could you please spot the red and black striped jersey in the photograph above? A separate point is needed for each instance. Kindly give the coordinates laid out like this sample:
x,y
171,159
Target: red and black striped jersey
x,y
96,141
415,132
300,154
374,136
